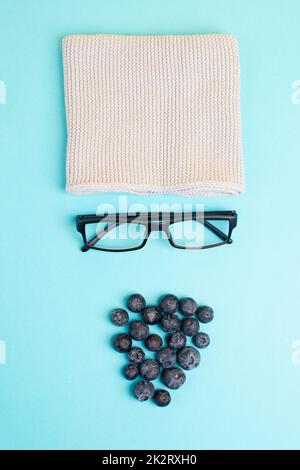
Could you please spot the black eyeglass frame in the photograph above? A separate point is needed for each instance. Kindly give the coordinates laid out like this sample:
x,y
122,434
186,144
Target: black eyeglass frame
x,y
156,221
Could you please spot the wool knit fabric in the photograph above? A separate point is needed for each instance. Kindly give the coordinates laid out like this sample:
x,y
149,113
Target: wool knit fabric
x,y
153,114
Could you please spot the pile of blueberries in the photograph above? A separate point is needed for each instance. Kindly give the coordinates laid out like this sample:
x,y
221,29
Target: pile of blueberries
x,y
176,352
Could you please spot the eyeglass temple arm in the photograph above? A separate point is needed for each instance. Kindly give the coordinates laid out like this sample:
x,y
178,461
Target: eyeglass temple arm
x,y
217,232
101,234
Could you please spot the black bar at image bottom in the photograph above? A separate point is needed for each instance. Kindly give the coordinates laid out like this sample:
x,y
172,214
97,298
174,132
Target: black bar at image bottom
x,y
136,458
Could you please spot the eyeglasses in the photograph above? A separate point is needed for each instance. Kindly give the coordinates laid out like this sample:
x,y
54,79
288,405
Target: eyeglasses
x,y
130,231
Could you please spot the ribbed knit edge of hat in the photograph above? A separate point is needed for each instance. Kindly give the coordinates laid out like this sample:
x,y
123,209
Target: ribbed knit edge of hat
x,y
203,189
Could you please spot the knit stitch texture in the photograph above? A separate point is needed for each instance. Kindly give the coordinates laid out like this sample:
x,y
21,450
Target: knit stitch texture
x,y
153,114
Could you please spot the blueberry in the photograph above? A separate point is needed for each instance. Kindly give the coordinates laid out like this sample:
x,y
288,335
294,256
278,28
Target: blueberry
x,y
201,340
119,317
138,330
176,340
151,315
136,355
162,398
190,326
170,323
149,369
153,342
188,306
188,358
136,303
131,372
122,343
169,304
205,314
144,390
166,358
173,378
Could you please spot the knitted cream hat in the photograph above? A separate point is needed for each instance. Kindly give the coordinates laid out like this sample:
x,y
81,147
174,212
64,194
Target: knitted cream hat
x,y
153,114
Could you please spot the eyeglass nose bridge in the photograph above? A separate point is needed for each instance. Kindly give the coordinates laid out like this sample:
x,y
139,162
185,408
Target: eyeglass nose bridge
x,y
159,226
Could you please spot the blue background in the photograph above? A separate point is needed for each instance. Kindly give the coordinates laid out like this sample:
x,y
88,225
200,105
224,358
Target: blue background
x,y
61,387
